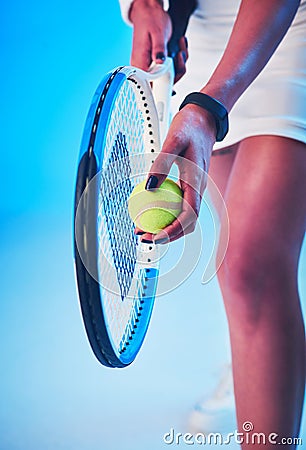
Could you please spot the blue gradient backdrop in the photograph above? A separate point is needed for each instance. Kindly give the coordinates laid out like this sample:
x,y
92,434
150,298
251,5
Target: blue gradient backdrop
x,y
54,394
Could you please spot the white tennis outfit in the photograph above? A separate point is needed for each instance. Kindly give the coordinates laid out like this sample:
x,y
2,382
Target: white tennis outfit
x,y
275,103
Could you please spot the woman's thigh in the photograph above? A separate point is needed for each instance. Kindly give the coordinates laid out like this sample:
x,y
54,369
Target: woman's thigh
x,y
220,168
266,203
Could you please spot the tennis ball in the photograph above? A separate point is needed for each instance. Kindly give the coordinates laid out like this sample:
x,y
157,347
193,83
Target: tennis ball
x,y
153,210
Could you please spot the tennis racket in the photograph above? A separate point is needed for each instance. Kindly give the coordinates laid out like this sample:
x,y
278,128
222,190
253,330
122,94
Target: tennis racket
x,y
124,130
116,274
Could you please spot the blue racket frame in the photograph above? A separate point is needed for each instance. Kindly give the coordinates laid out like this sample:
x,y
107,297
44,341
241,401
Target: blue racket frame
x,y
89,166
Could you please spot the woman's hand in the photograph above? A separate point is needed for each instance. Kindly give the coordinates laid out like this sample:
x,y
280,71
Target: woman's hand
x,y
152,32
188,144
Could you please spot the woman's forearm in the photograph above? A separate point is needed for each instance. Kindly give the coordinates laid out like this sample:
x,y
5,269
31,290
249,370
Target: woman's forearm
x,y
259,28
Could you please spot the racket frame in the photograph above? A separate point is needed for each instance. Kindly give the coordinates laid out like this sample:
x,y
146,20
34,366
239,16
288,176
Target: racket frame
x,y
90,164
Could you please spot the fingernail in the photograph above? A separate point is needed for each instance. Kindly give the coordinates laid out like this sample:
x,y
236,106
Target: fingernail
x,y
146,241
161,241
161,56
151,183
184,56
186,41
139,233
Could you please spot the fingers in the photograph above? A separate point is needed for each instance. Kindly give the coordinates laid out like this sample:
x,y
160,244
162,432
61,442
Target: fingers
x,y
138,231
186,221
159,170
180,59
183,44
193,180
180,67
159,48
183,225
147,48
159,53
172,147
165,240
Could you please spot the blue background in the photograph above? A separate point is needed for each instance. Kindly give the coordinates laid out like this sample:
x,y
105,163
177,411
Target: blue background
x,y
54,394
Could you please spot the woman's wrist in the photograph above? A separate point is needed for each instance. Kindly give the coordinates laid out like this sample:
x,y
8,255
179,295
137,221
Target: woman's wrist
x,y
202,119
126,7
143,4
216,109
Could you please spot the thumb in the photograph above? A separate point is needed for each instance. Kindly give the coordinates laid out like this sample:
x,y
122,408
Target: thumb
x,y
159,48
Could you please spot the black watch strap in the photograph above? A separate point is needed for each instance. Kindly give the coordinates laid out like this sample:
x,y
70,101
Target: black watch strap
x,y
214,107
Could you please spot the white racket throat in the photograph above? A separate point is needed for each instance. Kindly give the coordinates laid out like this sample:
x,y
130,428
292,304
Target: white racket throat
x,y
161,78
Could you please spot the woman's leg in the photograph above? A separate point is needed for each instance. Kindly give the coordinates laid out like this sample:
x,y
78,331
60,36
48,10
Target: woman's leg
x,y
220,168
215,412
265,197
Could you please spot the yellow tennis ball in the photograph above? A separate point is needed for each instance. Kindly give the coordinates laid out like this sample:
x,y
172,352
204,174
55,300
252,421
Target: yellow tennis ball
x,y
153,210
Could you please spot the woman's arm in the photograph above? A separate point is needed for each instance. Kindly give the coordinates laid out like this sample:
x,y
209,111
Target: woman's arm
x,y
259,28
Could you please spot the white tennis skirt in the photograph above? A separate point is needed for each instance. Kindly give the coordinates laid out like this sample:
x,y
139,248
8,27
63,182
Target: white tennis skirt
x,y
275,103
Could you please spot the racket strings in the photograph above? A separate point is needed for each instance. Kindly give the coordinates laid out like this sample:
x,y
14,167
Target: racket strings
x,y
135,314
116,239
121,232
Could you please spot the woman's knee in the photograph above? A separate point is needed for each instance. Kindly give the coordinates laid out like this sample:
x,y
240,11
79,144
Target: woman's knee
x,y
256,277
255,267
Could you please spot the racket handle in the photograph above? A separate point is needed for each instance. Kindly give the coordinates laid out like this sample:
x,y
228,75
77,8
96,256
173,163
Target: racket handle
x,y
179,12
162,92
